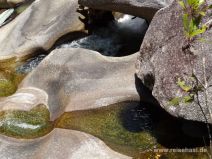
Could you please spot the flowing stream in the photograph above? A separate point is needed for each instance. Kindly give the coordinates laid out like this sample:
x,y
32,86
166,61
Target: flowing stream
x,y
121,37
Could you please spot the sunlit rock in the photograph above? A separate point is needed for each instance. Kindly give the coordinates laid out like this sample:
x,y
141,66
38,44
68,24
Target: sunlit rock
x,y
164,61
76,79
30,31
60,143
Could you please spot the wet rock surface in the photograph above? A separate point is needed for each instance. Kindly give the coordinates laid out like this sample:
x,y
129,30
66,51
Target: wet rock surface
x,y
163,62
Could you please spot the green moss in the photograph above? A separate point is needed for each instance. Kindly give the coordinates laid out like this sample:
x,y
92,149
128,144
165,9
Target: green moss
x,y
26,124
6,87
9,82
106,123
21,8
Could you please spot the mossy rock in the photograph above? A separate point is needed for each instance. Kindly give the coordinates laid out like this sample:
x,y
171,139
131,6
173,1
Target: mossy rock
x,y
6,87
106,123
22,8
26,124
9,82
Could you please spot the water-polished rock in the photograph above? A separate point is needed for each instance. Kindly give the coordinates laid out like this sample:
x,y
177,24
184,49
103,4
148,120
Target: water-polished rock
x,y
66,80
10,3
77,79
38,27
60,143
141,8
165,59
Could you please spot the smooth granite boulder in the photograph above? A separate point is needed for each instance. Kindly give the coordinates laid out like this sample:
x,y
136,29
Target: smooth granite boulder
x,y
38,27
10,3
141,8
78,79
75,79
60,143
66,80
164,61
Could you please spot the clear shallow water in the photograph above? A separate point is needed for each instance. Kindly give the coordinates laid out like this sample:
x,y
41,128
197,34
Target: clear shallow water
x,y
125,127
131,129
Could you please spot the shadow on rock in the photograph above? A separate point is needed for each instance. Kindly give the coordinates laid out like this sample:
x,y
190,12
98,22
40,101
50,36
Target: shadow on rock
x,y
169,131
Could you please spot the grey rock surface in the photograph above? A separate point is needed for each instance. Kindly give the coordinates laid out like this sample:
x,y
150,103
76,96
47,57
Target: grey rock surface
x,y
162,61
68,80
10,3
141,8
77,79
60,143
38,27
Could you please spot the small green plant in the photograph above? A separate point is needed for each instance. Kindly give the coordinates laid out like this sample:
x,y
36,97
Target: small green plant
x,y
193,12
190,90
187,89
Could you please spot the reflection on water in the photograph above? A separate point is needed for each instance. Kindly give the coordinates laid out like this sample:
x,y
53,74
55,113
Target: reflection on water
x,y
131,129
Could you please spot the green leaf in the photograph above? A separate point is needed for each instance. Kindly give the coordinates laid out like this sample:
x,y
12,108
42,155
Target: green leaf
x,y
175,101
198,31
186,22
202,13
182,4
192,26
188,99
190,2
201,2
183,86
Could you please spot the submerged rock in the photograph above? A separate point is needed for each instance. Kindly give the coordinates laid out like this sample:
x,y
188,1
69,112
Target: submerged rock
x,y
26,124
8,83
34,32
141,8
163,62
7,87
60,143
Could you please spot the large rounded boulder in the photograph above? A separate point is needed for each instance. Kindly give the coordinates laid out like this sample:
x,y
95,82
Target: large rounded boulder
x,y
174,70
